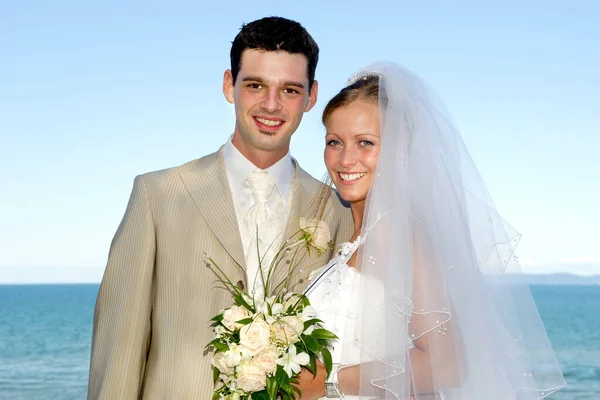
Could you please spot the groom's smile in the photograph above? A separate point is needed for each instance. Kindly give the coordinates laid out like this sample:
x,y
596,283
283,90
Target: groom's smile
x,y
268,125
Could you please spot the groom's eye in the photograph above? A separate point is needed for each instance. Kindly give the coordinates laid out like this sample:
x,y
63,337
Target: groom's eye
x,y
253,86
291,91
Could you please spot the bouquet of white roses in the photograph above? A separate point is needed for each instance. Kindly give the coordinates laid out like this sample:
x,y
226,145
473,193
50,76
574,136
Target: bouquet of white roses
x,y
262,341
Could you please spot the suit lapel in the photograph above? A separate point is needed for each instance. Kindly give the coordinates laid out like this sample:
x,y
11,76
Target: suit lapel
x,y
302,200
300,196
210,191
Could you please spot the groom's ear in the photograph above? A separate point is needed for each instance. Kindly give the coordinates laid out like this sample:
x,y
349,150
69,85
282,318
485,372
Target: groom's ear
x,y
228,86
312,97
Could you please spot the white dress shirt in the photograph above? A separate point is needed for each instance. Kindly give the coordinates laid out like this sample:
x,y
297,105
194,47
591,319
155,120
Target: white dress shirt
x,y
239,168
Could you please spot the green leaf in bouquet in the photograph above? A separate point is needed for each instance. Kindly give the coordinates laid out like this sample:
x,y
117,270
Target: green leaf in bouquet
x,y
297,390
305,301
282,379
269,309
245,321
217,318
311,344
239,299
221,347
216,374
327,360
323,334
312,364
217,394
272,388
324,342
262,395
216,343
310,322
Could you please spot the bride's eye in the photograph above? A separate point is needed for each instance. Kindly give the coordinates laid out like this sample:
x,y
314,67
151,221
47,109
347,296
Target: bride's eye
x,y
333,142
366,143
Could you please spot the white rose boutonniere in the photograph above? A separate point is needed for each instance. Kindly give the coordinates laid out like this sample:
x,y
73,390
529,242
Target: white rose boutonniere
x,y
317,234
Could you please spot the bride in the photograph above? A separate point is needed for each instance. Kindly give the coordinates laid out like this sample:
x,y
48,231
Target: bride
x,y
418,297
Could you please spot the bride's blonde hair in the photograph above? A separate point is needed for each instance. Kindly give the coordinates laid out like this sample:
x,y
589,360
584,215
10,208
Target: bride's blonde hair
x,y
364,88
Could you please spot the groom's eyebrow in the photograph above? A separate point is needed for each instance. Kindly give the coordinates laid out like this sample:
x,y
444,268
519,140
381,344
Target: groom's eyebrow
x,y
258,79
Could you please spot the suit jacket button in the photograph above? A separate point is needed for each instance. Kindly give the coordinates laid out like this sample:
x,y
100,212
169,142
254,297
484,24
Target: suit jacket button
x,y
240,285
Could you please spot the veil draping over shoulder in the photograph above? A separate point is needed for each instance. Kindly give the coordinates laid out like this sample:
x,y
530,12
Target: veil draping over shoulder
x,y
434,308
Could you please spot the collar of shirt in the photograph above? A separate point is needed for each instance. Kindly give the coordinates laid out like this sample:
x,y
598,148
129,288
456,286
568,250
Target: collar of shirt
x,y
239,168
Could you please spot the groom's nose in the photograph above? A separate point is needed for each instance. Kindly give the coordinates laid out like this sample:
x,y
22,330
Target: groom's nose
x,y
271,101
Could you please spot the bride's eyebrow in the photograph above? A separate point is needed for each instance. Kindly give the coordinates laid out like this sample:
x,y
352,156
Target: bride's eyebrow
x,y
369,135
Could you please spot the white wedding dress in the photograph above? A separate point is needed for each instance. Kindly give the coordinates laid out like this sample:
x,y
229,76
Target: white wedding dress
x,y
330,291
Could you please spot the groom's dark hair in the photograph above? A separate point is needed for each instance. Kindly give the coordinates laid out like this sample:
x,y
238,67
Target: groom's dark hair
x,y
275,34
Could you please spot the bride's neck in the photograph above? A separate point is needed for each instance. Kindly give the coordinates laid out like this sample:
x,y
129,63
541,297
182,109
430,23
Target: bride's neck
x,y
358,211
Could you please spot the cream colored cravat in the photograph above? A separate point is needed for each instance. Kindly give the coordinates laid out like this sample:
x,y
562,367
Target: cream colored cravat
x,y
263,223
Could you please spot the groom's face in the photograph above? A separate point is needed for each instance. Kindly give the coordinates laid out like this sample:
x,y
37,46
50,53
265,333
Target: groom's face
x,y
270,95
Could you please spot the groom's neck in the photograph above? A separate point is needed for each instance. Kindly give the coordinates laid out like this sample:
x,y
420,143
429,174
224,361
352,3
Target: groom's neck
x,y
262,159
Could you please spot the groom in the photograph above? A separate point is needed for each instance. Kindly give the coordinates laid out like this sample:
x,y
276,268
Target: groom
x,y
151,321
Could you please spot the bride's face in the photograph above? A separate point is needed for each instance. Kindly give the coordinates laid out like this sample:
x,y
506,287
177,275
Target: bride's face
x,y
352,148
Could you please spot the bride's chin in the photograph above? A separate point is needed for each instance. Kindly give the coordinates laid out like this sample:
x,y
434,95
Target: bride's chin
x,y
351,197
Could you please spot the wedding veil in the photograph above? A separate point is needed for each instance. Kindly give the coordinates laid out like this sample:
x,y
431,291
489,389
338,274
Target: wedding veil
x,y
436,311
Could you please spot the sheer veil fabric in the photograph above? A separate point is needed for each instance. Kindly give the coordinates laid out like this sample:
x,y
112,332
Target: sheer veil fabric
x,y
435,310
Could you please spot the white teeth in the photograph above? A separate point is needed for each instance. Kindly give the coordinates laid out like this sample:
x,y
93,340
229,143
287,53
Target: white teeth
x,y
268,122
352,177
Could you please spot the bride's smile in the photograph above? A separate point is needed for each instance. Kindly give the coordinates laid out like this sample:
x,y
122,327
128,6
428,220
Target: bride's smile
x,y
350,178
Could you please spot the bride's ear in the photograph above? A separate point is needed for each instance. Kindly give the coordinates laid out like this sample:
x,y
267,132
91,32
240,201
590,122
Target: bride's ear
x,y
228,86
312,97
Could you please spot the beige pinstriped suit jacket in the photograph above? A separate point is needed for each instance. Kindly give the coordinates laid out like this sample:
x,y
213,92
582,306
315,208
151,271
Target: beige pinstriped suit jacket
x,y
157,294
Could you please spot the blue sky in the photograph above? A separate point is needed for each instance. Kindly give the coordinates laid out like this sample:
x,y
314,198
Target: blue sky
x,y
94,93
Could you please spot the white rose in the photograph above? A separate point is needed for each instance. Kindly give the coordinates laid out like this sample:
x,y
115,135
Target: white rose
x,y
251,378
267,360
255,336
220,361
320,235
288,329
233,314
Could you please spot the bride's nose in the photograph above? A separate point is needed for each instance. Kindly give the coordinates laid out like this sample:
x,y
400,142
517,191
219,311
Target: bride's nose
x,y
347,158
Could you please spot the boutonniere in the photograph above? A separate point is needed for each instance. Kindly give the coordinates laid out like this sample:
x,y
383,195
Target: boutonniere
x,y
317,234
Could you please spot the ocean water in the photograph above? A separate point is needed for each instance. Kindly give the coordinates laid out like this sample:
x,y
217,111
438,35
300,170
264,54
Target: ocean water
x,y
45,334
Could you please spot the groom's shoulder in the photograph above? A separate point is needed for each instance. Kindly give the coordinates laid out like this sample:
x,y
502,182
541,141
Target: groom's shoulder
x,y
167,174
306,180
